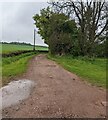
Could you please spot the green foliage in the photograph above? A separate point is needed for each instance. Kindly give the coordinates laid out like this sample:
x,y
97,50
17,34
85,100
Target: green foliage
x,y
42,22
58,31
92,21
64,37
101,49
92,70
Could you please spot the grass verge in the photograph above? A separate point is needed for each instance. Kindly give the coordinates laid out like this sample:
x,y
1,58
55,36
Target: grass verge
x,y
14,66
94,71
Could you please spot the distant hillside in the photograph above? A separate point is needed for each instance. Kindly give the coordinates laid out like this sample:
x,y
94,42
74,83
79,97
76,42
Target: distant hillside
x,y
17,43
21,43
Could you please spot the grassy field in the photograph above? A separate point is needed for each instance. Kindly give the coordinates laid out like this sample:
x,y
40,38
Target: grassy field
x,y
93,71
7,48
14,66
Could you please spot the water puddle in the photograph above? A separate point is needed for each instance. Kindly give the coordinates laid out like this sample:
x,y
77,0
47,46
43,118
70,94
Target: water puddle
x,y
15,91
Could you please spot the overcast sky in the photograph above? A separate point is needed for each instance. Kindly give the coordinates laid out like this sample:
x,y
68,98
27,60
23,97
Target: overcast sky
x,y
17,22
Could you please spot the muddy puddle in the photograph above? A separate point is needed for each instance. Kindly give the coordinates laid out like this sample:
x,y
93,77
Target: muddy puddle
x,y
16,91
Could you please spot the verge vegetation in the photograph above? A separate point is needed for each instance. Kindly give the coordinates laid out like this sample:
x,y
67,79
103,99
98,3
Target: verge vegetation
x,y
92,70
14,66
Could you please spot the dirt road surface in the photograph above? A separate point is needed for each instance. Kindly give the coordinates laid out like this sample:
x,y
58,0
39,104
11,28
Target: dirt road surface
x,y
58,94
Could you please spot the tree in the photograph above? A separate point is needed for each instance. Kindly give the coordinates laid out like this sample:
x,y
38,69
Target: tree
x,y
91,19
42,23
57,30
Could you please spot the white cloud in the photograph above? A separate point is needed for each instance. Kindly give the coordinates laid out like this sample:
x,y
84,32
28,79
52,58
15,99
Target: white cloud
x,y
17,22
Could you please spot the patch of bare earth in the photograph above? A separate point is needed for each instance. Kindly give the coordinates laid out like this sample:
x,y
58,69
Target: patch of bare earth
x,y
58,94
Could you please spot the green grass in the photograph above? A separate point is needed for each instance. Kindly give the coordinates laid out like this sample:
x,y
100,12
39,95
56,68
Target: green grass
x,y
7,48
14,66
94,71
